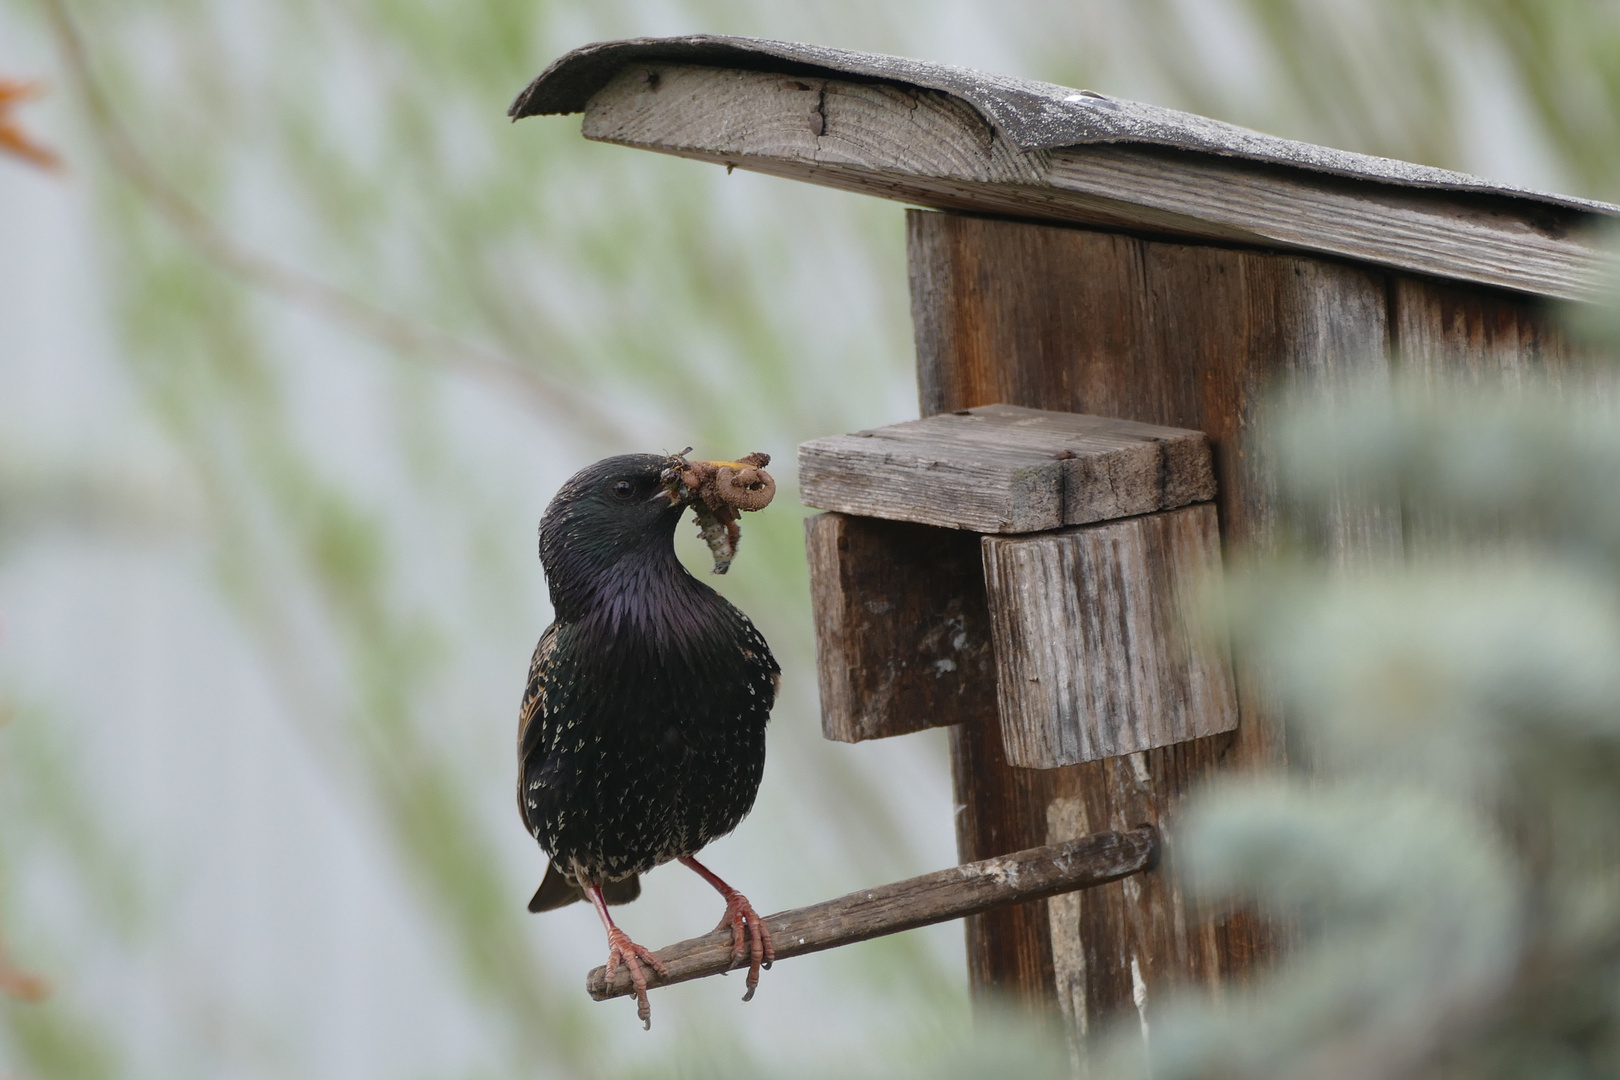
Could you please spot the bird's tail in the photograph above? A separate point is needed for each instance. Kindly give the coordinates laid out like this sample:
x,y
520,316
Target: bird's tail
x,y
555,892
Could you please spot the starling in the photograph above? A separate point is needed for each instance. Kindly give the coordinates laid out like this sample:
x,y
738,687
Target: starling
x,y
642,735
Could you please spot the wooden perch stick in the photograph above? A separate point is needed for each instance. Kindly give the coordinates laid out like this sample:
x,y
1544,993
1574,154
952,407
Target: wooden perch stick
x,y
920,901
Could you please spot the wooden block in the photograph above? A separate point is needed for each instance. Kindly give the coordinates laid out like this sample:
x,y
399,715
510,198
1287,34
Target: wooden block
x,y
1005,469
902,634
1094,657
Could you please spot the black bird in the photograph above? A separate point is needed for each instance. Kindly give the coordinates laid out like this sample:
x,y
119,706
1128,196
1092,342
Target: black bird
x,y
642,735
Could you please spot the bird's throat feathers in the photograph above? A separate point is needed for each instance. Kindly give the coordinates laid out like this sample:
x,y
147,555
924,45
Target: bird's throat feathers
x,y
653,596
629,587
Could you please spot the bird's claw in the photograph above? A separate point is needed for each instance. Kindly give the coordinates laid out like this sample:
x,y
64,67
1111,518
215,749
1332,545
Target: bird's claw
x,y
750,938
621,948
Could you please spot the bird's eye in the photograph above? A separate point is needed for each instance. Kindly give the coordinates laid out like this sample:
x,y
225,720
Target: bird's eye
x,y
624,489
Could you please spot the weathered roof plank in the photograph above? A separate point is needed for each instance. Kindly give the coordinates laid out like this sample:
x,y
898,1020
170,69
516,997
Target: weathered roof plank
x,y
956,139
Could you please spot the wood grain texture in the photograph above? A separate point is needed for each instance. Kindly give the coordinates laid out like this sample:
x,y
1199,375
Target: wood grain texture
x,y
1444,331
1447,337
1005,469
1120,951
1181,335
902,633
1076,955
1096,653
1080,863
932,149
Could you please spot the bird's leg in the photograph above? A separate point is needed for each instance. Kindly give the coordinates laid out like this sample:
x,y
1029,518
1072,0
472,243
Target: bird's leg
x,y
739,914
620,947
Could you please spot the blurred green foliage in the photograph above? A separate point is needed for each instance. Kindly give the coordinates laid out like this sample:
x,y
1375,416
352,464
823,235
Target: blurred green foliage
x,y
297,203
1450,860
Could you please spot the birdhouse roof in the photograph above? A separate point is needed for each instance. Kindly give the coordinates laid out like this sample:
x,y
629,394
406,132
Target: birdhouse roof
x,y
1126,152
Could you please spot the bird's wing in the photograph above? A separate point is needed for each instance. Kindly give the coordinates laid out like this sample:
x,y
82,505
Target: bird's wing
x,y
530,720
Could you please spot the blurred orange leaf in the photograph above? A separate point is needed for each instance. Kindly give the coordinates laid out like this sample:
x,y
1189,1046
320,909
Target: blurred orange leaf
x,y
13,139
21,985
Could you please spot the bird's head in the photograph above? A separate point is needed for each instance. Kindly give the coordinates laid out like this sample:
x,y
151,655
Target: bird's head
x,y
605,512
627,507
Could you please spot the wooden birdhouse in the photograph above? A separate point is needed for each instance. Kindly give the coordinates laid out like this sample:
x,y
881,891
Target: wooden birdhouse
x,y
1087,540
1102,292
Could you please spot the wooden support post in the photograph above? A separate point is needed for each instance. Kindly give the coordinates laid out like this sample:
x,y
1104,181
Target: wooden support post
x,y
1083,863
1191,336
1175,334
1086,956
